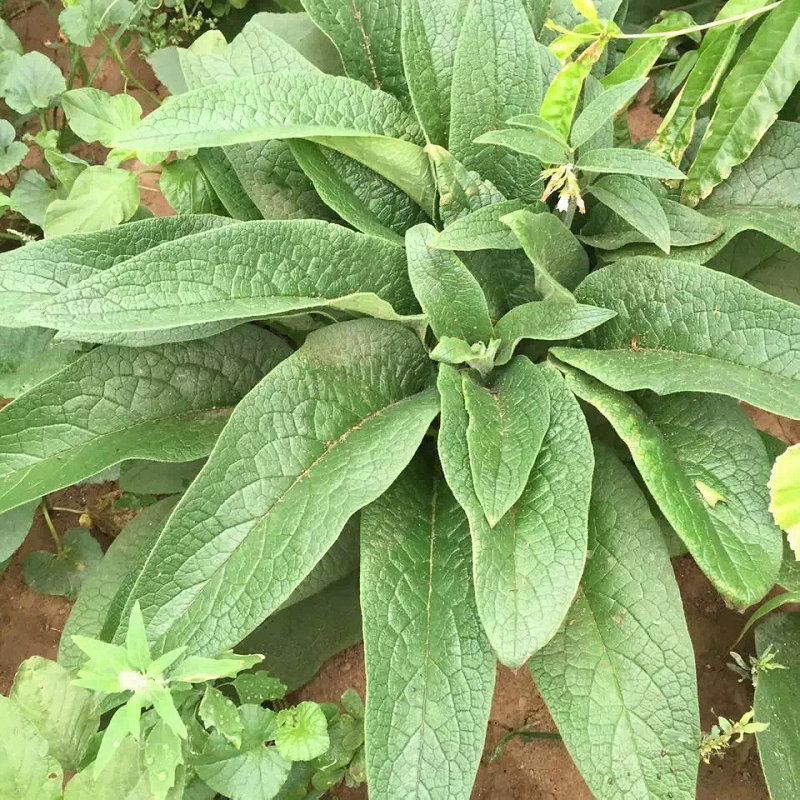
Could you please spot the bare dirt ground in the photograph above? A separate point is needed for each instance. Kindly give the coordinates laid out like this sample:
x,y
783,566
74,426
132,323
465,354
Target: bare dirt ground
x,y
31,624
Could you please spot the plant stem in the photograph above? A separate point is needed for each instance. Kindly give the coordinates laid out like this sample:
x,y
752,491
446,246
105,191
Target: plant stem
x,y
695,28
52,528
123,68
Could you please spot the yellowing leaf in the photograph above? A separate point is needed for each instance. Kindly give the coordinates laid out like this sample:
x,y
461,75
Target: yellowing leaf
x,y
711,496
784,495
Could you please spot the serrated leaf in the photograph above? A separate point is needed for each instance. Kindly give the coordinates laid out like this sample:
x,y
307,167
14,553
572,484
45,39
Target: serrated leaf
x,y
64,715
63,573
678,440
254,770
545,320
775,703
448,293
31,274
496,75
179,395
521,595
655,341
33,82
603,108
626,635
330,445
257,269
557,257
416,574
429,33
367,35
754,91
508,418
302,733
784,495
636,204
101,197
627,161
97,116
713,57
27,772
529,142
219,712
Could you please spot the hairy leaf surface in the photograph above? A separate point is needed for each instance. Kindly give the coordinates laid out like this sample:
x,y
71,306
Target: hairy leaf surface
x,y
528,566
446,290
31,274
618,677
320,437
751,96
496,75
776,703
167,403
427,710
508,418
707,469
254,269
681,327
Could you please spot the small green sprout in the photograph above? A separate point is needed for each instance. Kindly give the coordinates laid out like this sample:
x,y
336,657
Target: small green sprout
x,y
721,736
750,672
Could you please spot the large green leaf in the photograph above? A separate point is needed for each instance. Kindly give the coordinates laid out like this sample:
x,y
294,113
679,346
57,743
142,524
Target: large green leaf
x,y
29,355
713,57
322,435
447,291
167,403
776,703
618,677
545,320
360,196
508,418
368,125
707,469
188,190
496,75
430,670
27,772
226,184
608,231
66,716
627,161
637,204
245,271
367,35
480,230
97,591
598,111
682,327
769,176
33,273
528,566
751,96
429,35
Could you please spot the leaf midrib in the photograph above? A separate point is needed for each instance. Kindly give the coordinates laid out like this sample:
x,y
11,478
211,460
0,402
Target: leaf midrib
x,y
263,517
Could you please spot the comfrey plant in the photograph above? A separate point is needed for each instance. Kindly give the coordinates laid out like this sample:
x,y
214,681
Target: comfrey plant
x,y
531,409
